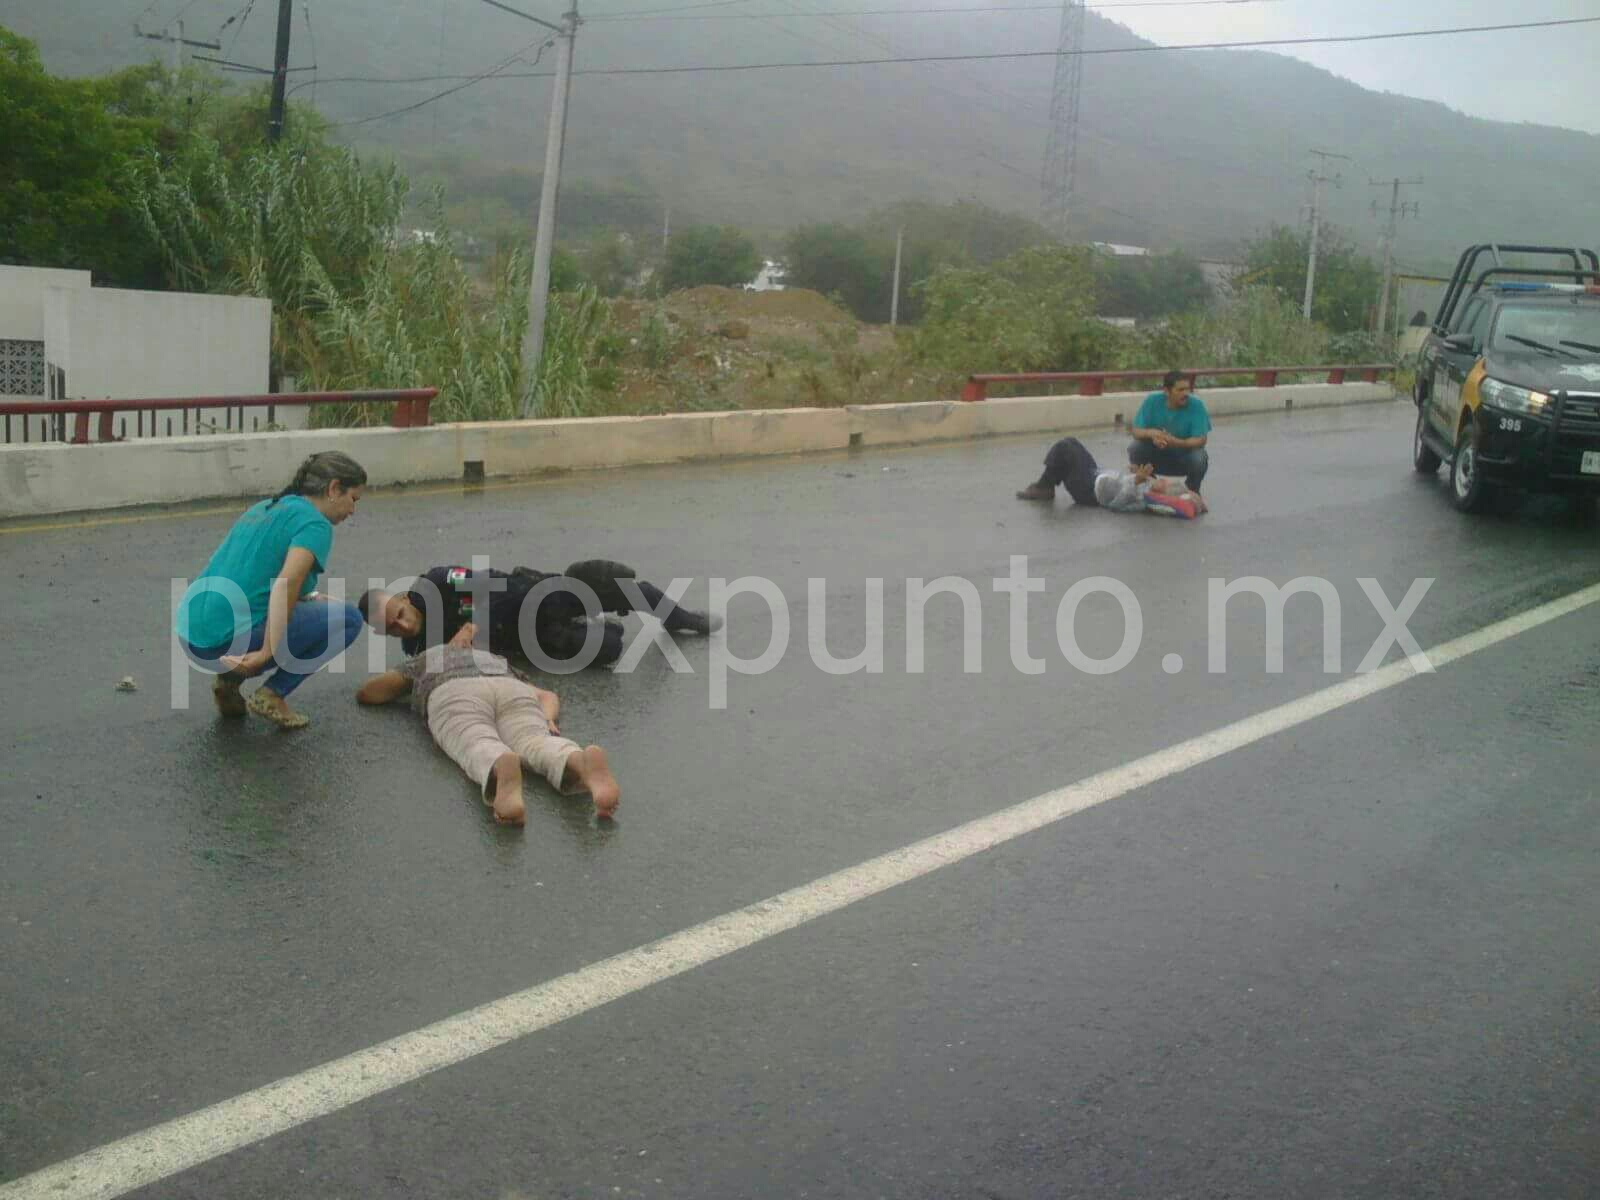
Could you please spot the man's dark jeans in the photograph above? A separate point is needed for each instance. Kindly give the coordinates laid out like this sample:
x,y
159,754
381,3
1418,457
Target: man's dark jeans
x,y
1191,464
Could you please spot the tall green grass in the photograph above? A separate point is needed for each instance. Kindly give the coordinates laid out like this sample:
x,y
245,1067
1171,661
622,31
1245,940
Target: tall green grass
x,y
357,306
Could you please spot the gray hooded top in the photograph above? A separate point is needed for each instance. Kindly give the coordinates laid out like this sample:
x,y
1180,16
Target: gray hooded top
x,y
1120,491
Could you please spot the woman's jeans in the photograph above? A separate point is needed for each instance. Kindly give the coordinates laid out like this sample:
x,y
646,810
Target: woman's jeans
x,y
319,631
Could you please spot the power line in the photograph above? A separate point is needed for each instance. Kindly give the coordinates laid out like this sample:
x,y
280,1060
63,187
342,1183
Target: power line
x,y
983,93
647,14
1016,54
305,8
492,72
517,12
241,17
444,14
640,12
248,68
975,97
1013,54
182,12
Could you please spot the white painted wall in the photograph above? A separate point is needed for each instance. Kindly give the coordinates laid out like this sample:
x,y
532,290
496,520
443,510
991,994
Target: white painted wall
x,y
22,292
126,343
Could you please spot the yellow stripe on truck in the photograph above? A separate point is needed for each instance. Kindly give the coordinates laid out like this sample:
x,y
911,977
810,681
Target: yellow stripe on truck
x,y
1470,395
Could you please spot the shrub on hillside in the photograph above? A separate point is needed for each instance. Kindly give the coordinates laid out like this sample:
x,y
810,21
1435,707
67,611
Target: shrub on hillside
x,y
1033,311
1258,327
709,254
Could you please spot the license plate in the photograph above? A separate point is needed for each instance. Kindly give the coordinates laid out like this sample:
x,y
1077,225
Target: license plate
x,y
1591,462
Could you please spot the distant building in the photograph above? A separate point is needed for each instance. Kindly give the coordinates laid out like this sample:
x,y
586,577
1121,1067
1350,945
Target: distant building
x,y
465,245
770,279
1120,251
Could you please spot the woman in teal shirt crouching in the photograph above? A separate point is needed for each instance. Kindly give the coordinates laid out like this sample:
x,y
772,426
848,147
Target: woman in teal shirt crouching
x,y
256,604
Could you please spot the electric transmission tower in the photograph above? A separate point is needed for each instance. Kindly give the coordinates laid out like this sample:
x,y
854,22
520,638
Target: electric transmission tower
x,y
1061,153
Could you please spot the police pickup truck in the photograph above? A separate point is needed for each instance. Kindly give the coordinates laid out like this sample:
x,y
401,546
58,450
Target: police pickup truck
x,y
1508,380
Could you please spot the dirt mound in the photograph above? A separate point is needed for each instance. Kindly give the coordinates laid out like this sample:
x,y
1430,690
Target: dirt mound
x,y
794,304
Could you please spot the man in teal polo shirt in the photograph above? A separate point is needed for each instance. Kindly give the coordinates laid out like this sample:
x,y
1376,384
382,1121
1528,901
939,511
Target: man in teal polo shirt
x,y
1169,432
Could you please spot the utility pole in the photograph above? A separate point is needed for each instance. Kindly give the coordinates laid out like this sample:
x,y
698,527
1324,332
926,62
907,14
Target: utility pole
x,y
894,302
666,229
1318,178
280,71
544,237
1397,210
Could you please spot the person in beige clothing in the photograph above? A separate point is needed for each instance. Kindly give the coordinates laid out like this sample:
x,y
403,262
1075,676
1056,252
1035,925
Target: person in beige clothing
x,y
493,722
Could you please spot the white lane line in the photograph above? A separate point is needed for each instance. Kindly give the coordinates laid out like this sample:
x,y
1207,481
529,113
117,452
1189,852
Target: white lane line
x,y
176,1145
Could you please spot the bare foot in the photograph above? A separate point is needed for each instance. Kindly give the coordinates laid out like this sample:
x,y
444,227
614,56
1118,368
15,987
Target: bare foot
x,y
592,770
508,806
230,702
265,702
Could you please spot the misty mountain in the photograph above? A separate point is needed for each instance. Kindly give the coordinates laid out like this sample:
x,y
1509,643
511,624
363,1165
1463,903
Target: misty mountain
x,y
1196,149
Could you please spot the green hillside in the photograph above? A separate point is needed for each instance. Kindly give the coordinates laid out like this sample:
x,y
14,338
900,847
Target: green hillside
x,y
1198,149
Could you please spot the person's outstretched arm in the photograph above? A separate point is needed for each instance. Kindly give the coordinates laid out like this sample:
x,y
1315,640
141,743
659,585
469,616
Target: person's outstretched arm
x,y
381,689
285,595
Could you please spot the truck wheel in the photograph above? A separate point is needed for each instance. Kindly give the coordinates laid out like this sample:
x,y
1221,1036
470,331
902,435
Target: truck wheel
x,y
1468,491
1423,457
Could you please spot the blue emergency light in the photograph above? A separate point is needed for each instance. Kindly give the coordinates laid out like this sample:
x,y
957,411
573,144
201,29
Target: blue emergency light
x,y
1566,288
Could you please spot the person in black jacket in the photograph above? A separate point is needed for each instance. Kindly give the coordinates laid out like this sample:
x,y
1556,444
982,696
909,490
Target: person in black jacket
x,y
560,624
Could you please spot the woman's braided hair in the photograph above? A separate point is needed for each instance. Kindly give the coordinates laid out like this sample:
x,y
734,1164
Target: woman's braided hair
x,y
318,471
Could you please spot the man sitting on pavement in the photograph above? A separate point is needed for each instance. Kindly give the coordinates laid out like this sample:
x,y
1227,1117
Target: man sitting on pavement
x,y
1169,432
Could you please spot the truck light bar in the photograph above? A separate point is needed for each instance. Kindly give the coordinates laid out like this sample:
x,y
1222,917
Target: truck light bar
x,y
1565,288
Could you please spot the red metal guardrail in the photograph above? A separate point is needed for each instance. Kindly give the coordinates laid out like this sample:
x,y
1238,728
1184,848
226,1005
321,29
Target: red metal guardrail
x,y
1093,383
410,411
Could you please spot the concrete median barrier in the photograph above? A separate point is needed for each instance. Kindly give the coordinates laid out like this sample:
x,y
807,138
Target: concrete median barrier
x,y
40,479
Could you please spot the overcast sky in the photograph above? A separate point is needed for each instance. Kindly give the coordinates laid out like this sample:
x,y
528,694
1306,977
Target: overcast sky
x,y
1542,75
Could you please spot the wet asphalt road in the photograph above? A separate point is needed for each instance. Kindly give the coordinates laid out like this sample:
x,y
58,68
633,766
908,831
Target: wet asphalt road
x,y
1354,959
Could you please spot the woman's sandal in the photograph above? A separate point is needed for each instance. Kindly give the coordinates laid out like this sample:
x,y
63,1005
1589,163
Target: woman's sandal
x,y
282,718
230,703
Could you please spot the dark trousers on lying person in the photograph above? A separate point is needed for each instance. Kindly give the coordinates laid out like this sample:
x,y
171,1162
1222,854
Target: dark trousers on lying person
x,y
1067,464
1190,463
561,625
